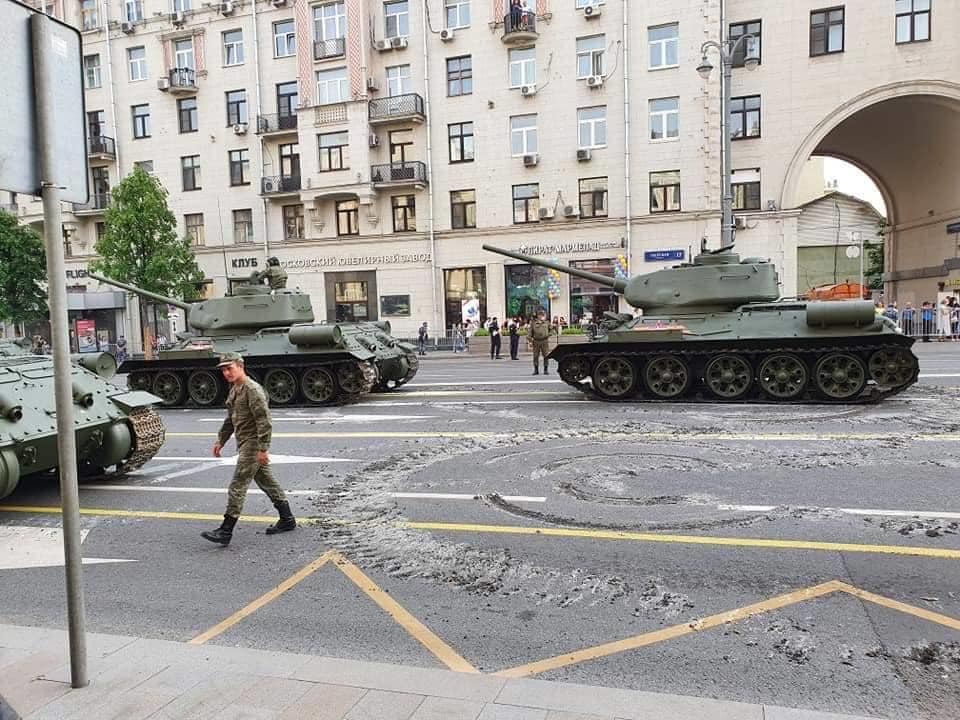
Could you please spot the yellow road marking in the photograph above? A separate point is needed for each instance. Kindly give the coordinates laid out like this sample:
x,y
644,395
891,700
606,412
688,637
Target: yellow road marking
x,y
670,633
420,632
264,599
945,620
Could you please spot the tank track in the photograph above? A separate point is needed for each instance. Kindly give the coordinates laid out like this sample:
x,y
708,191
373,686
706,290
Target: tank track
x,y
148,436
699,393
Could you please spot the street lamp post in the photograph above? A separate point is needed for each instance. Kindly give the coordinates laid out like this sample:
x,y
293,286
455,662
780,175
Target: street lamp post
x,y
727,49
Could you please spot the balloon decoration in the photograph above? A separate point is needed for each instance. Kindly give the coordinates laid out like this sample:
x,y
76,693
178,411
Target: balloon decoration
x,y
620,269
553,282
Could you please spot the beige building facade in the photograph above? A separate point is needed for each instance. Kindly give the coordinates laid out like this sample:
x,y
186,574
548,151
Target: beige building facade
x,y
374,147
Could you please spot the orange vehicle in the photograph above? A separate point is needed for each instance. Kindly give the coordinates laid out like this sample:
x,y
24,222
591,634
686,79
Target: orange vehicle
x,y
840,291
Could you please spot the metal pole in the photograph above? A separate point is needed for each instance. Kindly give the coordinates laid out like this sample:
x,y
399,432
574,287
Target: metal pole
x,y
44,67
726,62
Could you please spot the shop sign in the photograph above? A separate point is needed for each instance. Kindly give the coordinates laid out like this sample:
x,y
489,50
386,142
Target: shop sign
x,y
349,260
568,248
86,336
953,282
247,262
663,255
78,274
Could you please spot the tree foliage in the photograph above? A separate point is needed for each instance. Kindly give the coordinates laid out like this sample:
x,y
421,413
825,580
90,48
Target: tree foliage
x,y
140,243
23,272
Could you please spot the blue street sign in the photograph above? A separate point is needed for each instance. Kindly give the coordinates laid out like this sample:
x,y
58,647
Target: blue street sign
x,y
663,255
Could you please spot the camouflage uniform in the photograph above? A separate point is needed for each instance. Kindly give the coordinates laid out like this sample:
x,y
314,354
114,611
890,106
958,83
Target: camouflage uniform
x,y
540,338
248,417
275,275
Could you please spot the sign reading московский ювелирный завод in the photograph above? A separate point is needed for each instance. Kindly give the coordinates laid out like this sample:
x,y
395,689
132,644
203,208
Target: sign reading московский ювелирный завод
x,y
387,259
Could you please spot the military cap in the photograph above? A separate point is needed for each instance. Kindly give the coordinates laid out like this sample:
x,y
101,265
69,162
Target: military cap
x,y
230,358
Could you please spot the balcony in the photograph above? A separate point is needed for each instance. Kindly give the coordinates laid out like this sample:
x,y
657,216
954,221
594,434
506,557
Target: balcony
x,y
180,81
97,204
327,49
279,185
520,29
280,124
101,147
330,114
399,174
398,108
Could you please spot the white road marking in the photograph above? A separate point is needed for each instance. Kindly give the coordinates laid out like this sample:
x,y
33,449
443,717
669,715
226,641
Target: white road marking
x,y
220,491
336,418
274,458
854,511
463,496
30,547
469,383
938,375
396,403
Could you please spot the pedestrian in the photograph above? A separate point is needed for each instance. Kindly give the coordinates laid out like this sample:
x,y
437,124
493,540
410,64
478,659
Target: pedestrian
x,y
926,320
516,14
954,318
540,338
248,418
943,320
422,338
494,329
122,350
514,339
907,317
891,312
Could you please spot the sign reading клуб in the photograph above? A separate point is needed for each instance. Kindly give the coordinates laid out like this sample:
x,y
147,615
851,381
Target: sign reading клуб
x,y
663,255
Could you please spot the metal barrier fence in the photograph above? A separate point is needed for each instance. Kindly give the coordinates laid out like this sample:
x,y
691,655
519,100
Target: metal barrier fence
x,y
932,325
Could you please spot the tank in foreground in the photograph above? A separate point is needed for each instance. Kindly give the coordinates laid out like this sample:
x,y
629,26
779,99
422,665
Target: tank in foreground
x,y
713,330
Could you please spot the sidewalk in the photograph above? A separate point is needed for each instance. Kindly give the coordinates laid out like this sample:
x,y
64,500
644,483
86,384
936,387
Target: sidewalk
x,y
135,679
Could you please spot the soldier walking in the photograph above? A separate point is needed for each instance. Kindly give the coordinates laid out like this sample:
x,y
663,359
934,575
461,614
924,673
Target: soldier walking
x,y
540,337
248,417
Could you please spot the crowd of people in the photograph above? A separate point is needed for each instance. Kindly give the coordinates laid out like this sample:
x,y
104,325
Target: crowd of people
x,y
940,320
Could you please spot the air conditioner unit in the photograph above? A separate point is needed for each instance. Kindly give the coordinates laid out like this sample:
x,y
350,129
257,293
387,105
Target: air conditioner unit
x,y
279,3
570,211
240,129
546,213
372,84
226,8
446,34
595,81
127,28
772,205
374,141
531,159
740,223
178,18
269,185
163,84
584,155
399,42
382,45
528,90
591,11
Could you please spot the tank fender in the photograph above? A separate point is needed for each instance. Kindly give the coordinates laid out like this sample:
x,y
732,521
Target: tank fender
x,y
134,399
841,312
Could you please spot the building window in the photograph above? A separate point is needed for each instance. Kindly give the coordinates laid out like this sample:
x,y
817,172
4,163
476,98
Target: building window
x,y
181,5
89,16
461,142
463,209
398,80
745,117
591,56
233,47
746,189
523,67
459,76
101,185
288,100
665,118
348,216
183,53
526,203
242,227
332,86
190,170
91,71
664,44
665,191
826,31
236,107
457,13
592,127
293,222
96,122
593,197
133,10
194,225
523,135
329,21
101,230
398,19
141,121
404,213
334,151
290,160
751,27
137,63
401,147
913,20
239,167
284,39
145,165
187,114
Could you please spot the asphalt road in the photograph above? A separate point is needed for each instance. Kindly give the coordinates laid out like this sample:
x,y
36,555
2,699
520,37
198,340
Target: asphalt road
x,y
482,518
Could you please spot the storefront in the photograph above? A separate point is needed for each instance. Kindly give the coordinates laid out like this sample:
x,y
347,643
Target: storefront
x,y
465,293
590,298
351,296
527,290
96,320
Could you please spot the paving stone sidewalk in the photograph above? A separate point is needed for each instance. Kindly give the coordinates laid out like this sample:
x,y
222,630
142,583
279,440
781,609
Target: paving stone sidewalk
x,y
135,679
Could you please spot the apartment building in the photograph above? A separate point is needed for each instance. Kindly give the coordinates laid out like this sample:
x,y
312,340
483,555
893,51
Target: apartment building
x,y
374,146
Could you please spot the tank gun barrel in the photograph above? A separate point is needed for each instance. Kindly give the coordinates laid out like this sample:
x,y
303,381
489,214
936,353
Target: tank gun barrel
x,y
145,293
617,284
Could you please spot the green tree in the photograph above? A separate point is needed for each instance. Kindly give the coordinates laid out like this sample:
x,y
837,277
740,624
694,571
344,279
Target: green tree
x,y
140,243
23,272
873,272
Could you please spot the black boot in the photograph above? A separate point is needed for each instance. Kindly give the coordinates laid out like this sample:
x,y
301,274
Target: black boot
x,y
545,371
536,370
223,534
286,523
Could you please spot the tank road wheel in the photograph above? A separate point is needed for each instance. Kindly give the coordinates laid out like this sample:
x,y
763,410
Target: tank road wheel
x,y
280,386
783,376
140,381
728,376
573,369
168,386
204,388
614,377
667,377
840,376
318,385
892,367
351,378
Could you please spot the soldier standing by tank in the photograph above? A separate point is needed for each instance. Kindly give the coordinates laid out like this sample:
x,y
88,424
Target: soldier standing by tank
x,y
540,338
248,417
275,275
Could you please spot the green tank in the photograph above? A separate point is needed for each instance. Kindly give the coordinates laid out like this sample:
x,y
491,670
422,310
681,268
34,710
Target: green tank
x,y
116,428
715,330
297,360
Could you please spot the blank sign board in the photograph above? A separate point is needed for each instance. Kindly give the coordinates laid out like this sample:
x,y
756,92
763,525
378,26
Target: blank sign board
x,y
19,169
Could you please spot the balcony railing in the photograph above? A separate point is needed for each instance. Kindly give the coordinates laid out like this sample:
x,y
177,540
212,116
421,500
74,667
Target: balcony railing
x,y
401,173
397,107
183,79
519,28
98,202
282,122
102,145
324,49
279,184
328,114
